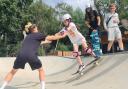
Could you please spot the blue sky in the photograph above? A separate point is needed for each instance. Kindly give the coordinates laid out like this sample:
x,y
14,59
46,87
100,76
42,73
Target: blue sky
x,y
75,3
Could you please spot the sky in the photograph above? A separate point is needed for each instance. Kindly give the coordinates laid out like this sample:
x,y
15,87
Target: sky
x,y
75,3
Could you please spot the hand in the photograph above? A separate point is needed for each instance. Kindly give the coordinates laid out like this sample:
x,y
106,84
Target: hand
x,y
94,30
62,33
91,28
46,42
115,21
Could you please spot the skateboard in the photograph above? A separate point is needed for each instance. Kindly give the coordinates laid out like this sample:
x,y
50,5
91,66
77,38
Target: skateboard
x,y
95,62
95,41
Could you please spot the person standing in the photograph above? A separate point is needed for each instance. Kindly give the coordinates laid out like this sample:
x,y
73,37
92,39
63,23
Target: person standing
x,y
111,22
92,20
28,54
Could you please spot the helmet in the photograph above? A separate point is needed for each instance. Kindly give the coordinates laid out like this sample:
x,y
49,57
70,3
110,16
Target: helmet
x,y
66,16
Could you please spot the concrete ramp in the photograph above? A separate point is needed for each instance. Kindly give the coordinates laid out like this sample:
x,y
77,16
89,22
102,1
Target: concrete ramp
x,y
112,73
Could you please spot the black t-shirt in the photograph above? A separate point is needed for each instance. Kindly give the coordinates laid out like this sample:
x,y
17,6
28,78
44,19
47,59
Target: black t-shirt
x,y
92,19
31,44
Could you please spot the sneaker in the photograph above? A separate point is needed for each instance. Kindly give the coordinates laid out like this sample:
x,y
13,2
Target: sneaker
x,y
97,58
121,50
81,67
108,52
96,63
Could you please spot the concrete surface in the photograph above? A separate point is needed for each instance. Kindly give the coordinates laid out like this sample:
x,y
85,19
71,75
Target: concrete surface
x,y
112,73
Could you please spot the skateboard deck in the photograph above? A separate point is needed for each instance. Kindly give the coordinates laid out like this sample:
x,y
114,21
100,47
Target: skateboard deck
x,y
95,62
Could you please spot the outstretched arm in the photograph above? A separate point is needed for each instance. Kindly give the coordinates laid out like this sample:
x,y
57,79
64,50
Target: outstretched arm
x,y
46,42
56,36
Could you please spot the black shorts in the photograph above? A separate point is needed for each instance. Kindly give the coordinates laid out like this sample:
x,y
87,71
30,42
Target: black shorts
x,y
33,61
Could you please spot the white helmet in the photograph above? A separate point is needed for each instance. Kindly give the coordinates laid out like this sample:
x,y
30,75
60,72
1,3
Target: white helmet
x,y
66,16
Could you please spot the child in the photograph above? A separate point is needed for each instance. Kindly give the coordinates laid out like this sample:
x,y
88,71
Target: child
x,y
111,22
76,39
28,54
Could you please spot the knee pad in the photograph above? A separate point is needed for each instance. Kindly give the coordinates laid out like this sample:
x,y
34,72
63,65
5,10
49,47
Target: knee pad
x,y
88,50
75,54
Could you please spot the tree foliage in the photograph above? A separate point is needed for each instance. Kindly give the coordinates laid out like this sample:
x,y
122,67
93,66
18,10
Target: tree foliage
x,y
13,13
16,13
122,6
45,17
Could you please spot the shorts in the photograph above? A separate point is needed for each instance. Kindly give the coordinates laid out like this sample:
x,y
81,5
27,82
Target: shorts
x,y
33,61
79,41
114,34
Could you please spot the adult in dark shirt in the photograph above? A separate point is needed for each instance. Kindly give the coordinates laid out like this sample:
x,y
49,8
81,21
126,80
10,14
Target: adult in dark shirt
x,y
28,54
92,20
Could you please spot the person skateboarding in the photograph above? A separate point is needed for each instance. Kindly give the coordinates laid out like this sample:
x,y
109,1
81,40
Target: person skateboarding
x,y
76,39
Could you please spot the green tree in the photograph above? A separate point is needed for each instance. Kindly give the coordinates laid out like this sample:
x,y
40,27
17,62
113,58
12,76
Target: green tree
x,y
45,17
13,14
79,19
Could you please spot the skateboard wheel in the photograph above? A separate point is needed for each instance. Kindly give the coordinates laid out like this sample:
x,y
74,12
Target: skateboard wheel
x,y
96,63
81,73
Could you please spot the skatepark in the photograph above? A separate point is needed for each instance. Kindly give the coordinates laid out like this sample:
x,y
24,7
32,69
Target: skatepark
x,y
110,74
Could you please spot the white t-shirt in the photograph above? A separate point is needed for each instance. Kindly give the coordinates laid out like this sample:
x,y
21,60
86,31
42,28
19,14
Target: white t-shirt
x,y
74,35
111,24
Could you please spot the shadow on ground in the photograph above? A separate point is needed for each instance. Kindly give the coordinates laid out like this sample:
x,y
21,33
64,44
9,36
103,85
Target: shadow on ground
x,y
10,87
114,65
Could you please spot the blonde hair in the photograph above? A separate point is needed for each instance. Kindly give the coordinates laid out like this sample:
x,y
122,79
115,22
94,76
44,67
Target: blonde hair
x,y
27,26
32,27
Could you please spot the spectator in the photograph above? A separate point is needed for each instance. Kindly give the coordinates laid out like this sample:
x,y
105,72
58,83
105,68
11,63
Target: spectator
x,y
111,22
92,20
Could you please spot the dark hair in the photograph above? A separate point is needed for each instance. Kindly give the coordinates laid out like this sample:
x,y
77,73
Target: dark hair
x,y
90,10
32,27
89,14
69,20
